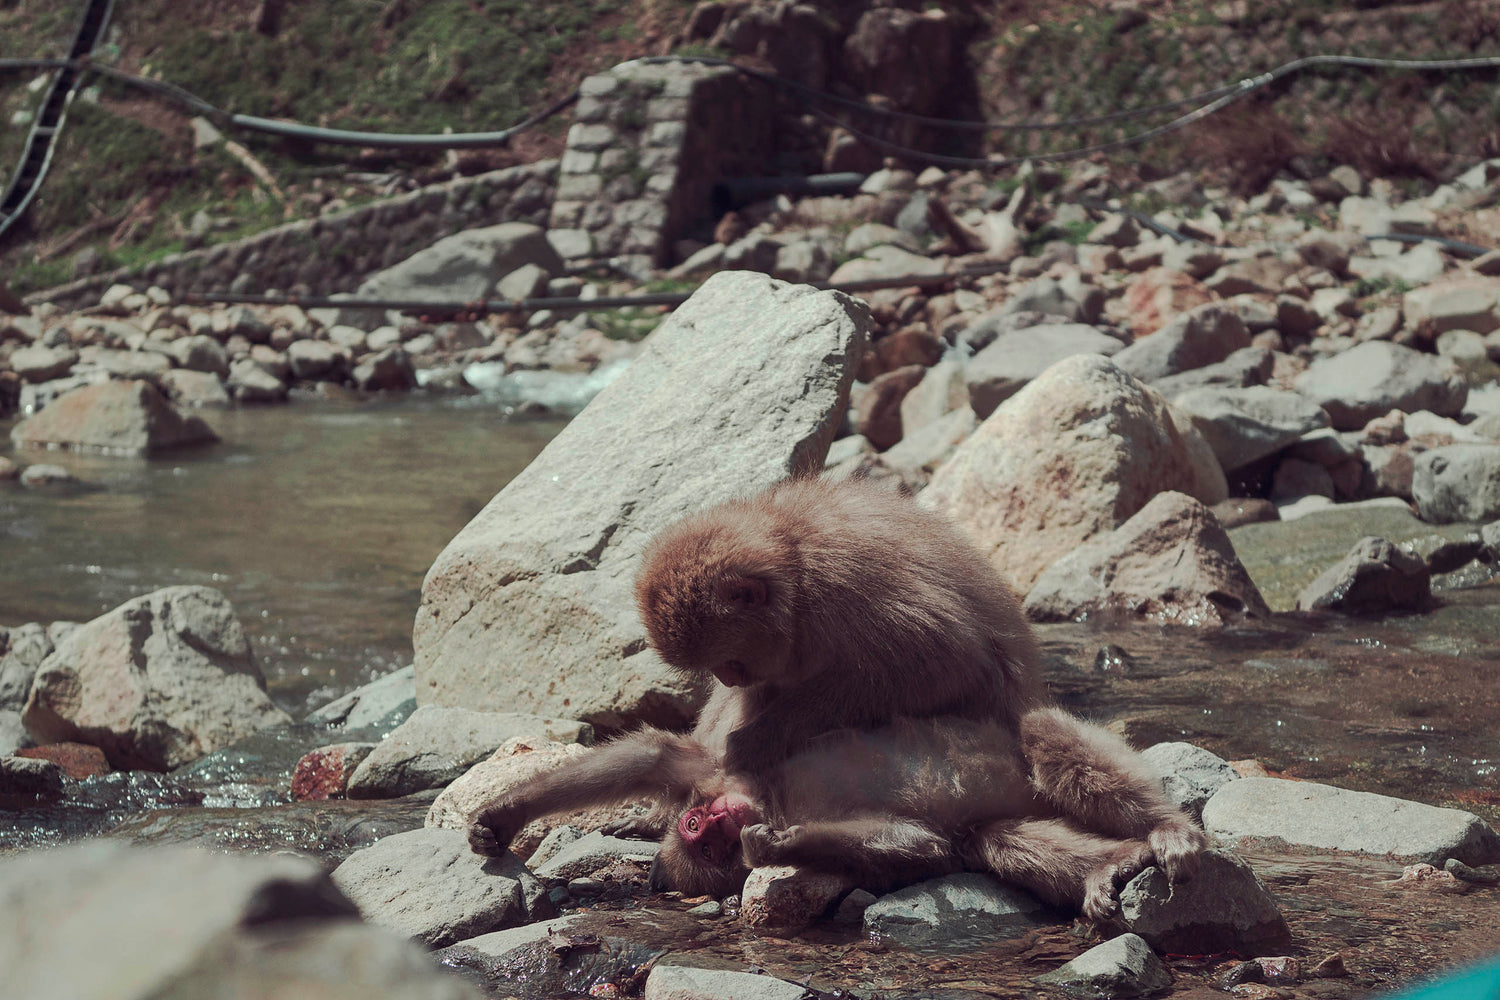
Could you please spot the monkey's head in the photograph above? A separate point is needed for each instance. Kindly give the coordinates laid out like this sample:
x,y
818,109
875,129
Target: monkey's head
x,y
717,594
701,856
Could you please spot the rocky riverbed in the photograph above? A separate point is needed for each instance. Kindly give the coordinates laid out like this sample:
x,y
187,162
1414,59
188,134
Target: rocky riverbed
x,y
1259,483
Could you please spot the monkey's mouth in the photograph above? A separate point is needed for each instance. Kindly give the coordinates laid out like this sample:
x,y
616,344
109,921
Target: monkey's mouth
x,y
734,811
732,673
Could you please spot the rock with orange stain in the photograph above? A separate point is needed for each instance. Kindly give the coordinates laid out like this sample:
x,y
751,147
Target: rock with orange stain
x,y
1160,294
324,773
77,760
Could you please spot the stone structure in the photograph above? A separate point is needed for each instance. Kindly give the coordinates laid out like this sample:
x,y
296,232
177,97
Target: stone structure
x,y
334,253
648,144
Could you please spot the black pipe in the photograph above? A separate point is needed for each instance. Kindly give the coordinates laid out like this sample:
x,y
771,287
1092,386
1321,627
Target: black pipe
x,y
740,191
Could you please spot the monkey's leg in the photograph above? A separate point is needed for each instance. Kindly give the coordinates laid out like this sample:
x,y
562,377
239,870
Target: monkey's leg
x,y
878,848
1057,861
664,766
1093,777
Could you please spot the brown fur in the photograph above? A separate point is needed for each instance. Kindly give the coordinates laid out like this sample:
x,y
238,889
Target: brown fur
x,y
835,605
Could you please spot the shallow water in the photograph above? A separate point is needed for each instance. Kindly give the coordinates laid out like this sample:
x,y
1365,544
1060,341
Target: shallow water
x,y
318,520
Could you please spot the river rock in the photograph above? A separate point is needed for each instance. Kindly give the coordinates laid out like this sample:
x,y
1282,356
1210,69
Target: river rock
x,y
12,732
516,761
1189,774
1243,425
1374,578
1459,482
199,353
249,382
390,370
1245,367
940,392
1015,357
22,650
678,982
76,760
698,417
1373,378
156,683
324,773
1224,907
1124,966
27,781
125,418
1198,337
46,476
194,389
881,262
877,406
591,852
1076,452
1309,814
42,364
129,365
1068,297
316,359
1457,304
463,267
783,899
1171,562
955,906
427,884
130,924
385,702
438,743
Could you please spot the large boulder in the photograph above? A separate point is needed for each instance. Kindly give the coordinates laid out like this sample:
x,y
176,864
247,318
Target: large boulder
x,y
158,682
466,266
530,608
1075,453
122,418
1172,562
1376,377
1459,482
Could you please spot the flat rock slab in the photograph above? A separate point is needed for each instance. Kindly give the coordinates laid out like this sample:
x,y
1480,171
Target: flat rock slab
x,y
1370,380
530,608
678,982
1224,907
1120,967
119,418
591,852
1243,425
1309,814
385,702
438,744
1015,357
954,911
428,885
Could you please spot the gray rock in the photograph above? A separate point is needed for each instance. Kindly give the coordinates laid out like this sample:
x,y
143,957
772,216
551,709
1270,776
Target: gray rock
x,y
437,744
427,885
1374,578
554,842
316,359
158,682
940,392
677,982
1120,967
1189,774
1459,482
1223,908
1245,367
917,455
1243,425
755,252
26,781
1463,304
466,266
122,418
952,908
883,262
868,235
386,701
13,734
22,650
390,370
803,261
194,389
43,475
1202,336
1068,297
525,282
148,365
553,553
591,852
784,899
1016,357
248,382
1309,814
1375,377
42,364
1171,562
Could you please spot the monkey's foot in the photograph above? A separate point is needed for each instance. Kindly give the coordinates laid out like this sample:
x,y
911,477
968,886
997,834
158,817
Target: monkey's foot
x,y
1101,887
1177,845
764,846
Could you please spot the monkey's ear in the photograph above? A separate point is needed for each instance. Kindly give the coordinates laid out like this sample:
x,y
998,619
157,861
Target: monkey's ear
x,y
743,591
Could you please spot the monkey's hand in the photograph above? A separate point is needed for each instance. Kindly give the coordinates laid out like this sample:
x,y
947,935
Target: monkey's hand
x,y
1178,846
1101,887
764,846
494,827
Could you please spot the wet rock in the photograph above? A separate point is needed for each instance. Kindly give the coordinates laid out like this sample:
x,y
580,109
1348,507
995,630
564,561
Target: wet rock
x,y
324,773
1171,562
156,683
1245,367
249,382
549,556
1224,907
1189,774
1309,814
428,885
1373,378
127,418
1374,578
592,852
782,899
1297,478
25,781
194,389
389,370
877,406
384,703
677,982
46,476
22,650
1076,452
1202,336
1120,967
77,760
951,910
1444,555
1243,425
516,761
1459,482
1015,357
437,744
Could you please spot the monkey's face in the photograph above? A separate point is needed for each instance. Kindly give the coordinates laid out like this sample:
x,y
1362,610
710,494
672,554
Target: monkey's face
x,y
702,855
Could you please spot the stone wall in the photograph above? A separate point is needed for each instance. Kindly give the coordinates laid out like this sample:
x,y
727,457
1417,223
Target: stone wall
x,y
648,144
334,253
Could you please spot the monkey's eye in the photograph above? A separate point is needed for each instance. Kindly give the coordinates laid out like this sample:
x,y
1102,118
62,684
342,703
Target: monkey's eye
x,y
692,824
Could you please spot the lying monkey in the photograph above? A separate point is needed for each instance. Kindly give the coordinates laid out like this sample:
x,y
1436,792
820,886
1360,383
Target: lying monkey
x,y
913,800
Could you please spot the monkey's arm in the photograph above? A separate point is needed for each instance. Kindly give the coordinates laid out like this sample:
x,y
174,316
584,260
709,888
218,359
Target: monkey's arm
x,y
664,766
879,849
